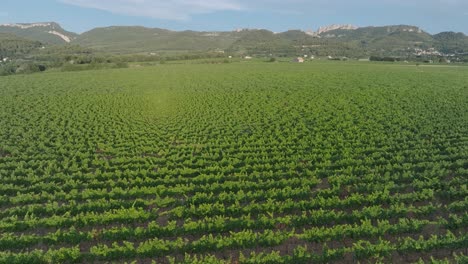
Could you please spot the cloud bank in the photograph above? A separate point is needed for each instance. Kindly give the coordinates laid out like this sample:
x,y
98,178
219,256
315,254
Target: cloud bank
x,y
160,9
184,9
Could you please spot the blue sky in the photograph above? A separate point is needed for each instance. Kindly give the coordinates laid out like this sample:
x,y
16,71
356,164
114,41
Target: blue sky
x,y
276,15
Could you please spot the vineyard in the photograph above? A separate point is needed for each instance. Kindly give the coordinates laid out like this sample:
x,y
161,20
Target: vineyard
x,y
235,163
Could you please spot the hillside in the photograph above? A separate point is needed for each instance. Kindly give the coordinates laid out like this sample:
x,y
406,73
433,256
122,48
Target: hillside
x,y
334,40
47,33
140,39
386,40
451,42
292,42
246,41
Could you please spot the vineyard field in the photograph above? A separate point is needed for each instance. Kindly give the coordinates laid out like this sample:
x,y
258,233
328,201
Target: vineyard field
x,y
246,162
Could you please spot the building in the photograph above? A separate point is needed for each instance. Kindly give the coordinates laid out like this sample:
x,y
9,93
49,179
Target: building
x,y
299,60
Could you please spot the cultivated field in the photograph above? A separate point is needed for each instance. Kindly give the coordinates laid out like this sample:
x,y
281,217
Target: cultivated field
x,y
235,163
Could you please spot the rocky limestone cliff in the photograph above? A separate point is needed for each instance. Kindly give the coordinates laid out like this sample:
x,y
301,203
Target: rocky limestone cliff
x,y
335,27
325,29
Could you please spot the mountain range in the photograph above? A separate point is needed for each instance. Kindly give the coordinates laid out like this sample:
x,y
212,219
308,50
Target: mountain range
x,y
334,40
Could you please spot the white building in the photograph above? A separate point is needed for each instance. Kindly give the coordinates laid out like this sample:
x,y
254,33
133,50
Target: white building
x,y
299,60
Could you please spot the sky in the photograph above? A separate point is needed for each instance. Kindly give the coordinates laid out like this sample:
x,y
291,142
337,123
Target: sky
x,y
224,15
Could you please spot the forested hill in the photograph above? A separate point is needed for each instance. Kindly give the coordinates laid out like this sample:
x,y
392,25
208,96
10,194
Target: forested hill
x,y
14,46
45,32
366,41
335,40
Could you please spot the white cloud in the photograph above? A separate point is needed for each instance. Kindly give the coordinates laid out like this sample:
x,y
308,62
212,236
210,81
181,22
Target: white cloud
x,y
184,9
162,9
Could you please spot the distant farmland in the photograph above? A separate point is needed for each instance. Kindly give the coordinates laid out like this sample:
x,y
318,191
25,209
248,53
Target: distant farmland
x,y
235,163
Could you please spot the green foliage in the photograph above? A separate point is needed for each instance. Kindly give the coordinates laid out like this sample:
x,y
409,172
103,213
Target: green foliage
x,y
12,46
21,67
